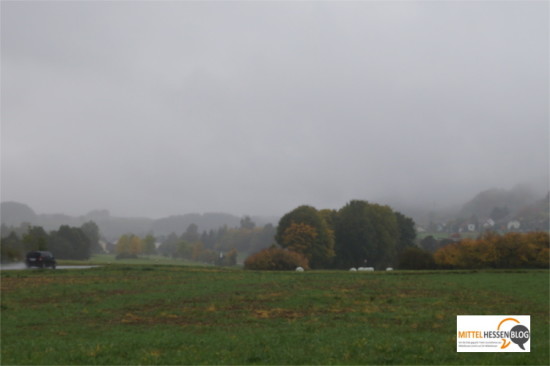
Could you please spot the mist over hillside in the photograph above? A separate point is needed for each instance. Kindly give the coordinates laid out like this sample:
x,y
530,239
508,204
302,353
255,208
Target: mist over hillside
x,y
111,227
529,202
262,106
509,201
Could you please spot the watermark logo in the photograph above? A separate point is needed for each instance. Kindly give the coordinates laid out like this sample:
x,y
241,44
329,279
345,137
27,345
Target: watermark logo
x,y
493,333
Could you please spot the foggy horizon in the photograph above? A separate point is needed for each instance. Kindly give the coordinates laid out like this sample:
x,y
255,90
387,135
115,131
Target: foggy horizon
x,y
254,108
397,203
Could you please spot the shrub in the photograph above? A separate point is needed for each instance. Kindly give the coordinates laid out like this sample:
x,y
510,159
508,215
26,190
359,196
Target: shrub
x,y
227,259
276,259
512,250
416,258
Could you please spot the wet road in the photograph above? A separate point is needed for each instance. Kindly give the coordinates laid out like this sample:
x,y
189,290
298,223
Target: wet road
x,y
21,266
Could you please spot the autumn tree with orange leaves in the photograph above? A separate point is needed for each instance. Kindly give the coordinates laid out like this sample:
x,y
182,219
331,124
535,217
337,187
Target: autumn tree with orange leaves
x,y
512,250
304,231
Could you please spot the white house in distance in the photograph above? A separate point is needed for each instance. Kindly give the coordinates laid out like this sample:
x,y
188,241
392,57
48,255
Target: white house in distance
x,y
513,225
488,223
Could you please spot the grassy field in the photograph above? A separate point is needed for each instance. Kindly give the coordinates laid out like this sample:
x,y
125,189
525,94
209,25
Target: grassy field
x,y
153,314
108,259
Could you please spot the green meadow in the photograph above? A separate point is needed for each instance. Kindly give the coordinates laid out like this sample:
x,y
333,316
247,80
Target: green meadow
x,y
174,315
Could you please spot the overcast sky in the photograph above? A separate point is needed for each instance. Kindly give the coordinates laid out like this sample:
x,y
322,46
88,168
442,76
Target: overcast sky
x,y
160,108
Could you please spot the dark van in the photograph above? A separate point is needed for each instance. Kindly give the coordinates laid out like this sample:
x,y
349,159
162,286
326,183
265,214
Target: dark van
x,y
40,259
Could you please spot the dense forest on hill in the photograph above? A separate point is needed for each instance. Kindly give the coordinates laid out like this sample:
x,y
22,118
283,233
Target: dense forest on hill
x,y
112,227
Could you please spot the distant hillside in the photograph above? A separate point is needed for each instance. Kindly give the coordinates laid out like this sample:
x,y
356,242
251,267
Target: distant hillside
x,y
499,203
207,221
112,227
15,213
536,216
524,202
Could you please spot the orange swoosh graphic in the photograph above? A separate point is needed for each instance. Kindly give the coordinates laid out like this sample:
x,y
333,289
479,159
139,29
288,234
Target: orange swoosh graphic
x,y
504,344
517,321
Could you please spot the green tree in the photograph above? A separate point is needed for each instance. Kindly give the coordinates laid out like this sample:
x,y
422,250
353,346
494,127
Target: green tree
x,y
321,249
407,232
262,237
11,249
247,223
366,234
149,245
183,250
35,239
387,235
330,216
235,238
168,247
191,234
69,243
429,243
91,230
209,238
416,258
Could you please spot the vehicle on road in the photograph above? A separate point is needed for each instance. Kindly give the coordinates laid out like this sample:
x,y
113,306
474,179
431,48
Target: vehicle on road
x,y
40,259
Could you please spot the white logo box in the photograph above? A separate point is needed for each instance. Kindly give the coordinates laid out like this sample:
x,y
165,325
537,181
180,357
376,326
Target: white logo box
x,y
493,333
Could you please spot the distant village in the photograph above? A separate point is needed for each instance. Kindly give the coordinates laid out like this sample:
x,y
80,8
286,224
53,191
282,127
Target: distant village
x,y
474,225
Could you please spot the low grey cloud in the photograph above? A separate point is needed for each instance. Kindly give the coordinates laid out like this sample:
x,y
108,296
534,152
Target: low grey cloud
x,y
157,108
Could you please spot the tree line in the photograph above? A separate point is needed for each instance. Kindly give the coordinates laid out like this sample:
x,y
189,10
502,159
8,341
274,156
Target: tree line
x,y
491,250
217,246
247,237
359,234
362,234
213,246
66,243
132,246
